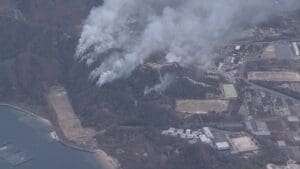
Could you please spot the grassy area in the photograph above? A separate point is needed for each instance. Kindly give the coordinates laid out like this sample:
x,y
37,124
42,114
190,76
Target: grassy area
x,y
201,106
229,91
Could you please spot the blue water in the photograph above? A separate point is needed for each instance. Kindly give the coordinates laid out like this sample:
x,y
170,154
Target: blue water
x,y
32,137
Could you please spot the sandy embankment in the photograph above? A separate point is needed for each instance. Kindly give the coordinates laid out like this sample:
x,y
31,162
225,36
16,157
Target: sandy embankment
x,y
70,130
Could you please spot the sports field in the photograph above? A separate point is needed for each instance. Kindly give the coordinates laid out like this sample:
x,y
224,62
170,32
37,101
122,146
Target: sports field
x,y
201,106
280,76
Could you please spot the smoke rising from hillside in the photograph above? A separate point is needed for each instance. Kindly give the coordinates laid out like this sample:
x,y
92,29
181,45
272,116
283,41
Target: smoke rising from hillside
x,y
165,82
121,34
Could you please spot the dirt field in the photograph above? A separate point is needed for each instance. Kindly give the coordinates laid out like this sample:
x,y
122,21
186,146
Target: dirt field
x,y
70,126
275,76
269,52
243,144
67,120
201,106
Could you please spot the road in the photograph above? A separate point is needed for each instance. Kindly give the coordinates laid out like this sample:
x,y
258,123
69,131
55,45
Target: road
x,y
242,71
272,92
296,39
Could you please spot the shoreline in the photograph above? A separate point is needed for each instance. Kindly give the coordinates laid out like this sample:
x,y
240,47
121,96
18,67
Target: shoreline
x,y
34,115
101,156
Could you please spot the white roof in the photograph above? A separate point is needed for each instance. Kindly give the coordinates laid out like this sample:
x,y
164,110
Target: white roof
x,y
281,143
204,139
293,119
238,47
207,132
222,145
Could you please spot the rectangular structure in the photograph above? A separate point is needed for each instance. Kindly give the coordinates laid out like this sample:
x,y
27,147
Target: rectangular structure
x,y
280,76
229,91
296,48
201,106
243,144
222,146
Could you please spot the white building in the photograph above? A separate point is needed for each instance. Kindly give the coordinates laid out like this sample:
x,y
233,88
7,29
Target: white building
x,y
222,145
207,132
296,49
205,139
293,119
238,47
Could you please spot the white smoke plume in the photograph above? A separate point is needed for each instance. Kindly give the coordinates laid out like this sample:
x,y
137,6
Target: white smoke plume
x,y
165,81
121,34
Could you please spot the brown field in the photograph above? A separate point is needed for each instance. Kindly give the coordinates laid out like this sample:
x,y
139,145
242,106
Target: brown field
x,y
201,106
67,120
243,144
269,52
274,76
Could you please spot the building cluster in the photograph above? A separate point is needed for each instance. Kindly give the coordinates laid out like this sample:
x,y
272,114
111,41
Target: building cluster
x,y
203,135
218,139
259,103
272,117
266,113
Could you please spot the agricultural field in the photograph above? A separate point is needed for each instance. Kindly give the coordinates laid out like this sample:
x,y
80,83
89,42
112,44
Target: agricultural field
x,y
282,76
201,106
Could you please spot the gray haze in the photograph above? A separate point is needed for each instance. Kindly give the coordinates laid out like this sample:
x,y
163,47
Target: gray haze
x,y
165,81
119,35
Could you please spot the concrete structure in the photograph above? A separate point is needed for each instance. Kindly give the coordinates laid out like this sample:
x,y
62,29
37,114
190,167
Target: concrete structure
x,y
205,139
293,119
54,136
296,137
296,49
207,132
281,143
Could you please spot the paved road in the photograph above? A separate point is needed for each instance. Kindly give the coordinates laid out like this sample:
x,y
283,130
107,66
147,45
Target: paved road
x,y
297,39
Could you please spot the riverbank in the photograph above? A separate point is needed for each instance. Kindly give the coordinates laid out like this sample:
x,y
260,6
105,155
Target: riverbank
x,y
105,160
